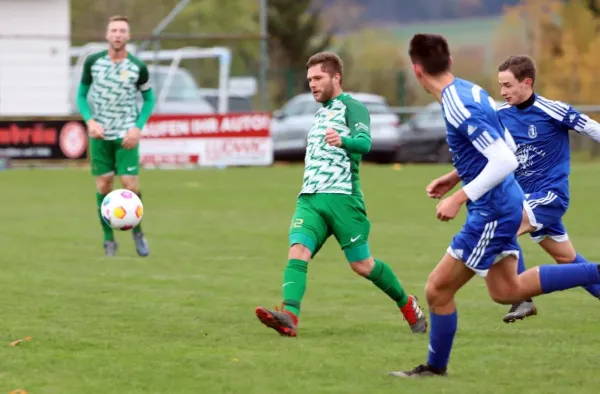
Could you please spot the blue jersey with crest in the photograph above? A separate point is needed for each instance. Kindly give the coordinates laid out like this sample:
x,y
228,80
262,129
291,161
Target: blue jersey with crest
x,y
472,124
541,132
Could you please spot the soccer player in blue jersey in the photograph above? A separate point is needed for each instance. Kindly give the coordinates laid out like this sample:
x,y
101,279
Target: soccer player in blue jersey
x,y
487,243
540,128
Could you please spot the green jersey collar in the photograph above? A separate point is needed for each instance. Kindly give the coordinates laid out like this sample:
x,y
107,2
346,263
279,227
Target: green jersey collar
x,y
340,96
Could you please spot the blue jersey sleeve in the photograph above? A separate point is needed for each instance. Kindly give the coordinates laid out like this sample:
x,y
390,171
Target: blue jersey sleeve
x,y
470,121
574,120
564,116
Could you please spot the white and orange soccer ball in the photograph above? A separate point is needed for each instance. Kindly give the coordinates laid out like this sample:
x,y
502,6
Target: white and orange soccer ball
x,y
122,209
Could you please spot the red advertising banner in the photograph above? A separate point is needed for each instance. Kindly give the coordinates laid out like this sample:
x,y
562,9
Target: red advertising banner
x,y
43,139
207,140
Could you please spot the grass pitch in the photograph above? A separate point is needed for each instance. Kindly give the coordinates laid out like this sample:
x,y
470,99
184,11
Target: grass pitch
x,y
182,320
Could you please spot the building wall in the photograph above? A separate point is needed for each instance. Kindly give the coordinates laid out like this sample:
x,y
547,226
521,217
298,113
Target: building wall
x,y
34,57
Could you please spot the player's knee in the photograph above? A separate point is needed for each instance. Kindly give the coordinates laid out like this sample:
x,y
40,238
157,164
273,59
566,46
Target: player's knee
x,y
104,184
299,252
565,256
435,294
130,183
363,267
506,295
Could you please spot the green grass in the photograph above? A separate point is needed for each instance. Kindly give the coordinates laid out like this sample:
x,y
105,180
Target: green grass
x,y
182,320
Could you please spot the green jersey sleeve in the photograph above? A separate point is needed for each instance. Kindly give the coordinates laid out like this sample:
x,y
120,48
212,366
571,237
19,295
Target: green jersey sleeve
x,y
143,82
359,123
86,73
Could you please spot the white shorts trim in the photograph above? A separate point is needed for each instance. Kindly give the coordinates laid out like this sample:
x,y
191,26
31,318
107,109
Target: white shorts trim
x,y
555,238
531,216
483,273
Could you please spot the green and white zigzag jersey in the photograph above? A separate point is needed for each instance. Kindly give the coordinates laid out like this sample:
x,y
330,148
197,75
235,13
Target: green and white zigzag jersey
x,y
329,169
113,92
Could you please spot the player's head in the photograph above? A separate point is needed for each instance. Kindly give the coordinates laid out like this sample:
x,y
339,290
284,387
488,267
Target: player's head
x,y
430,56
117,32
516,76
324,74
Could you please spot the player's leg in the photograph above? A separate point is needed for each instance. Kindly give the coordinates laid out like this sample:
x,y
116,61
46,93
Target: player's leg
x,y
102,161
443,283
524,308
540,210
506,287
128,167
557,244
348,220
542,219
472,250
307,234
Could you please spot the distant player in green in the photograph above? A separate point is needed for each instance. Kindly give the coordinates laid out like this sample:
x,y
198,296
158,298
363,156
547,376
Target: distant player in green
x,y
331,201
113,77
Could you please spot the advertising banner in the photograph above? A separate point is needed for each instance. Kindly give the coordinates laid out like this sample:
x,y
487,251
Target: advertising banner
x,y
54,139
179,141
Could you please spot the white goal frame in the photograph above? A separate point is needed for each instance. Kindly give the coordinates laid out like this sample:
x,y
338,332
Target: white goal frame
x,y
222,54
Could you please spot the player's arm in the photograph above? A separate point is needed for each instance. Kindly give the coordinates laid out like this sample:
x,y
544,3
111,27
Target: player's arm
x,y
501,161
83,90
144,86
581,123
359,122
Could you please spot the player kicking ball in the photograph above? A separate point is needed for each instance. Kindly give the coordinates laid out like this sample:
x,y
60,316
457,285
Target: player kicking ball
x,y
331,201
113,77
487,243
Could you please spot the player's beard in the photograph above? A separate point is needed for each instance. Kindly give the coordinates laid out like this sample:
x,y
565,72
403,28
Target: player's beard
x,y
117,47
327,93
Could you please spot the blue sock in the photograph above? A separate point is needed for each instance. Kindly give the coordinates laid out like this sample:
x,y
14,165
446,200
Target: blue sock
x,y
441,337
594,290
521,267
566,276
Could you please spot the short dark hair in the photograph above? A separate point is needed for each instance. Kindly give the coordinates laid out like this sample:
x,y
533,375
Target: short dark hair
x,y
430,51
522,66
118,18
330,63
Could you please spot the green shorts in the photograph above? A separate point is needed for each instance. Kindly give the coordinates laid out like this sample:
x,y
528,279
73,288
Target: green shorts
x,y
109,157
320,215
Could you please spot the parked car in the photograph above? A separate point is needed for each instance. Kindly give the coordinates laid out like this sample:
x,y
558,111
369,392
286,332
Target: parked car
x,y
291,124
423,137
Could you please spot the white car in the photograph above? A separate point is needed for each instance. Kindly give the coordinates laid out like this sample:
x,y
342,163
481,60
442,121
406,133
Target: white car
x,y
290,126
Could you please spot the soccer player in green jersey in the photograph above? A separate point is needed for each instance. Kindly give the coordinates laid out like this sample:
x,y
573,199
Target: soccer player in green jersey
x,y
331,201
113,77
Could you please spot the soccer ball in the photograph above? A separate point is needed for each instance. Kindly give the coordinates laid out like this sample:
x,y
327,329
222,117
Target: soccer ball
x,y
122,209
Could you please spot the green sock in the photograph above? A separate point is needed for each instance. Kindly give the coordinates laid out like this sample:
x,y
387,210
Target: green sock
x,y
384,278
294,285
138,228
108,231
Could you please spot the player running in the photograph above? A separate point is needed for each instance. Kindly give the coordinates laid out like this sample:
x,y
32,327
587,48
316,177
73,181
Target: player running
x,y
114,77
331,201
540,128
487,243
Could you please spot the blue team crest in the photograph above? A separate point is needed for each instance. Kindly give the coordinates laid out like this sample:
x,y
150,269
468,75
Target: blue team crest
x,y
532,132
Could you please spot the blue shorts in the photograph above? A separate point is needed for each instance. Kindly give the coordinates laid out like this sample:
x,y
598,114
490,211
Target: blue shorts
x,y
485,240
545,211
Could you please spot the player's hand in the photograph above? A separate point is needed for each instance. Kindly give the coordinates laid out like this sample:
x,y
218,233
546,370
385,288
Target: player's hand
x,y
448,208
439,187
132,138
442,185
95,129
333,138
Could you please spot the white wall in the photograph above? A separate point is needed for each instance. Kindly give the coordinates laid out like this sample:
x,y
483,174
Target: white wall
x,y
34,57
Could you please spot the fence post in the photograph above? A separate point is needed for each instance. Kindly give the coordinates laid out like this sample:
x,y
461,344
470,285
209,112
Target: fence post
x,y
401,88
